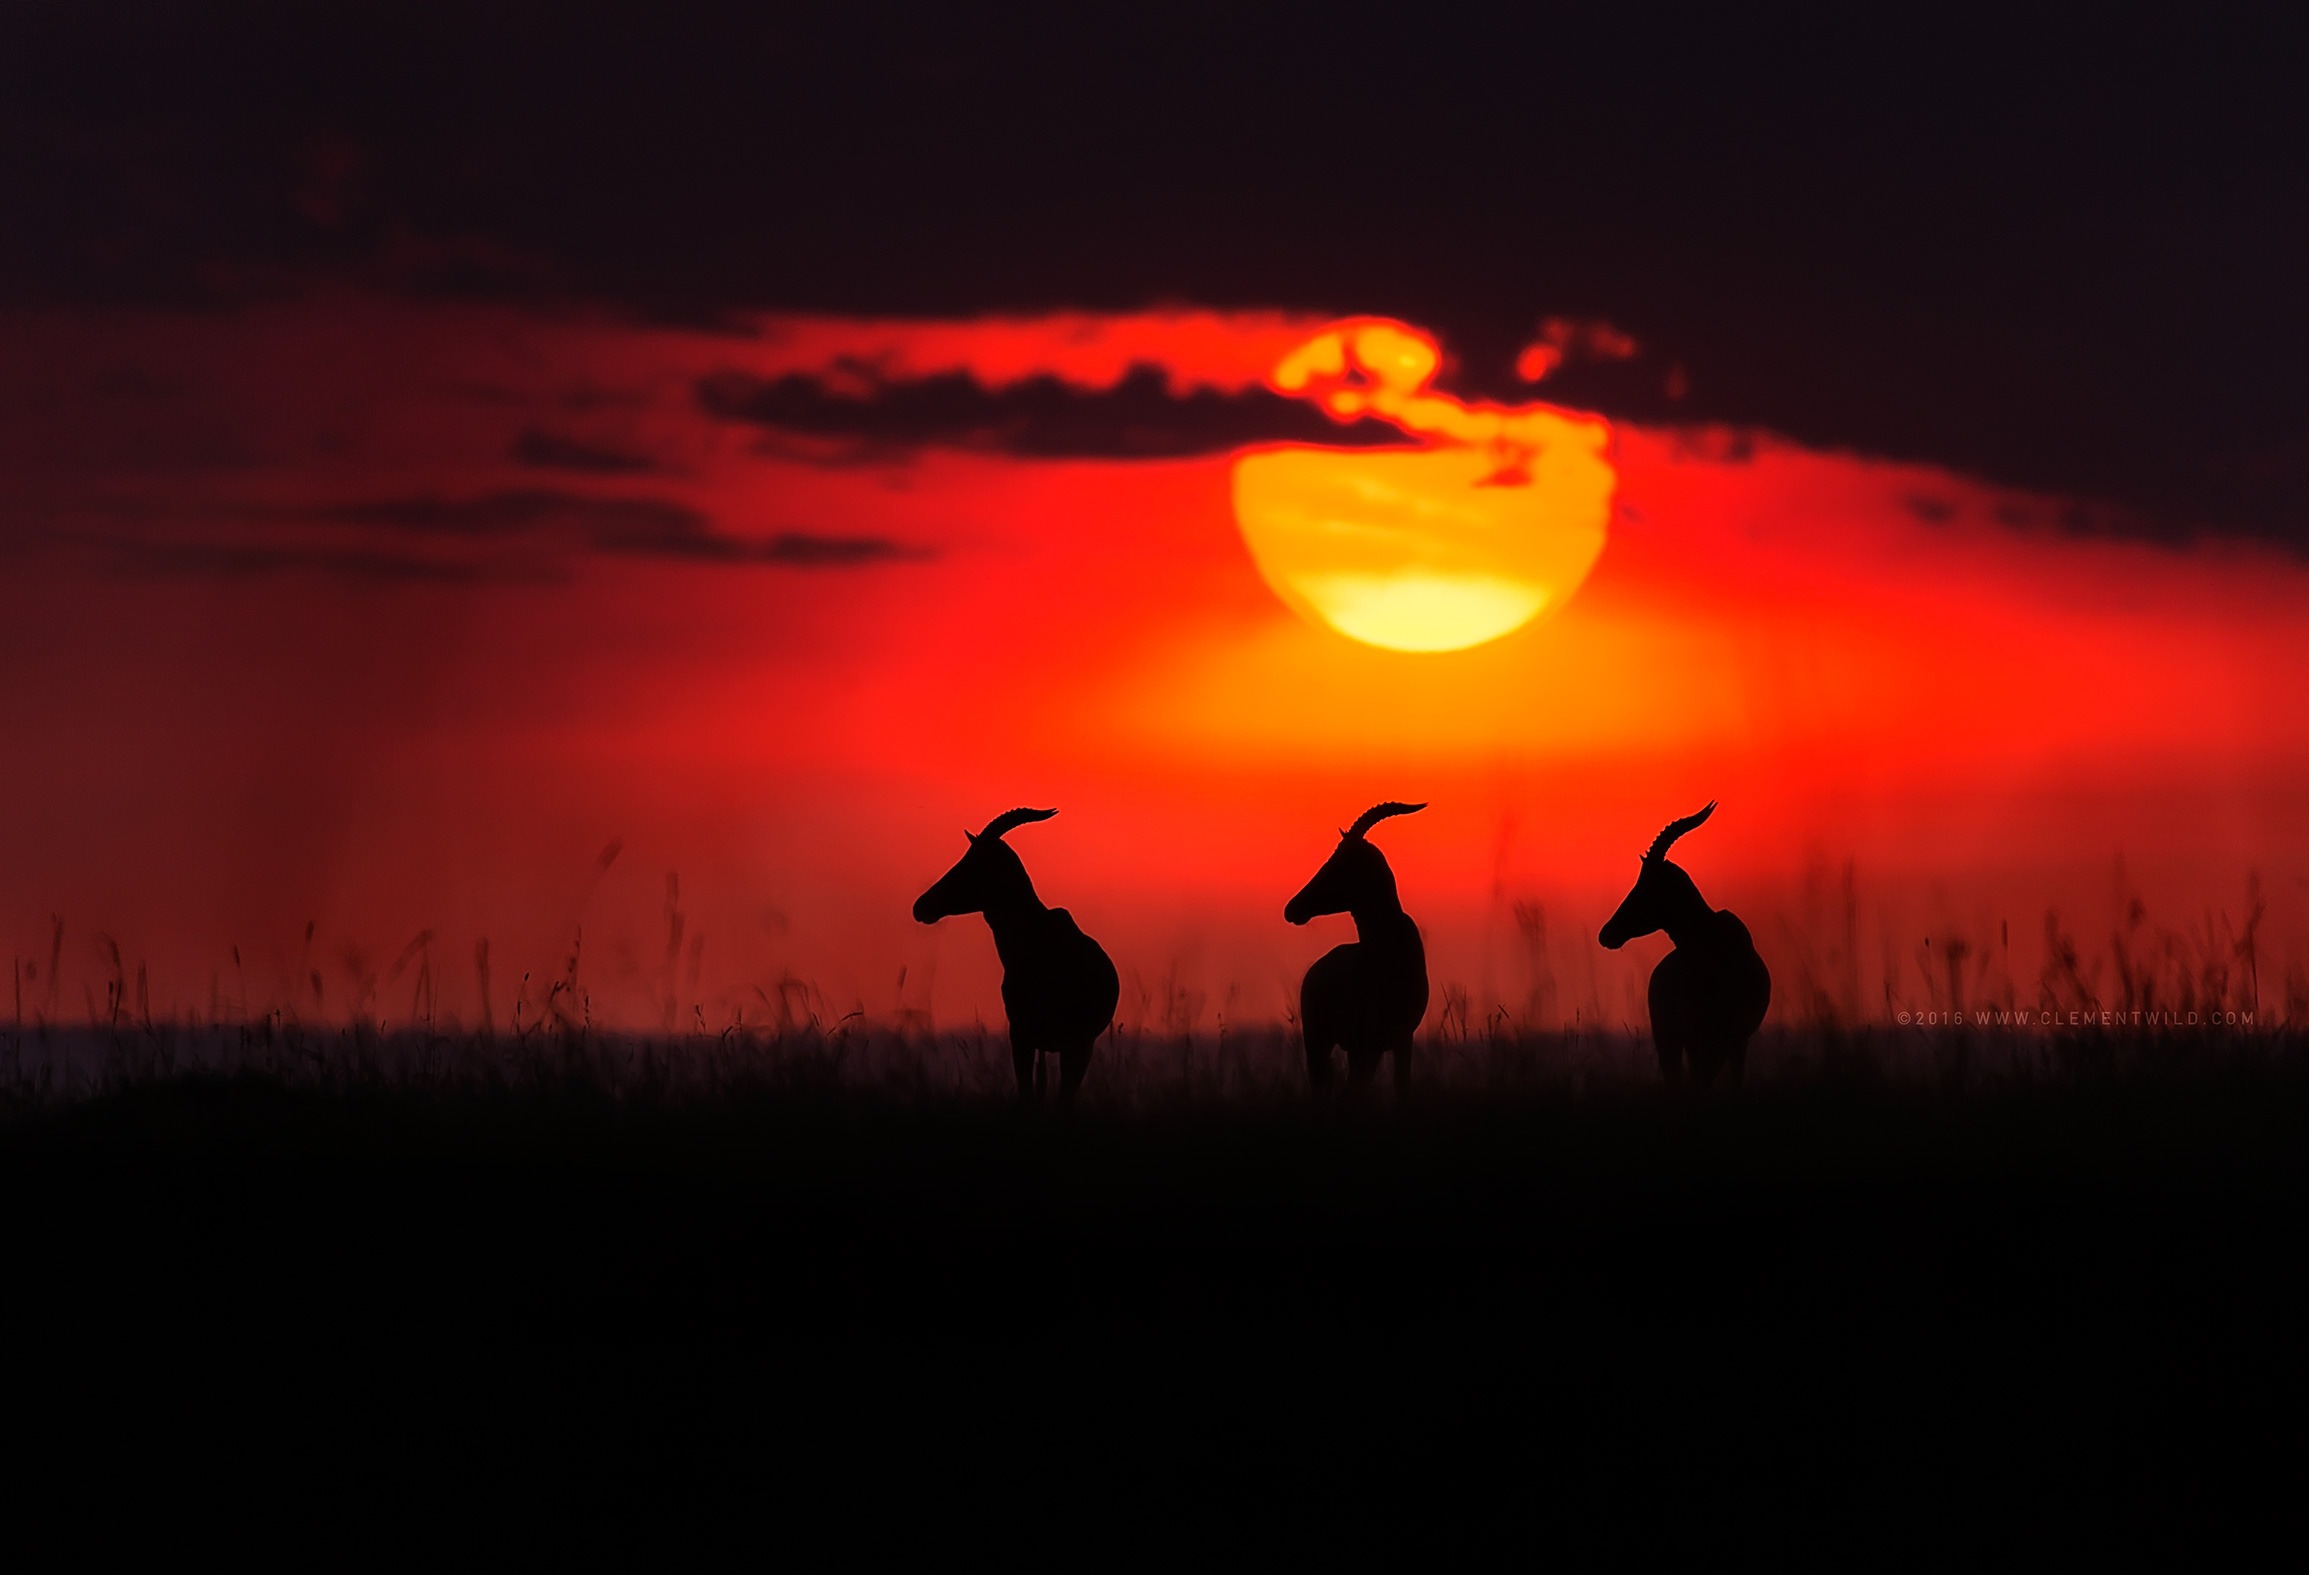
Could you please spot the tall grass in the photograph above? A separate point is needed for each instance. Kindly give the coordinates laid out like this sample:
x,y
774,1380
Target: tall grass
x,y
1136,1070
1856,996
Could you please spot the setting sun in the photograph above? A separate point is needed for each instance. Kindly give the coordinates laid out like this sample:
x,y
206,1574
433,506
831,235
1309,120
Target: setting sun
x,y
1494,521
1415,550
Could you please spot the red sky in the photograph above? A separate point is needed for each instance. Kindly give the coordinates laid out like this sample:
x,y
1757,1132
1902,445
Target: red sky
x,y
391,616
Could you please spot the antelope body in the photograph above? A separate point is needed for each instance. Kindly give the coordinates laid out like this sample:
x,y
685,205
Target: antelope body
x,y
1708,996
1058,986
1368,996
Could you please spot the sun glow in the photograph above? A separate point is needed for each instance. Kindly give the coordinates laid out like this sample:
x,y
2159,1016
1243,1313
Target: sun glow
x,y
1417,611
1495,519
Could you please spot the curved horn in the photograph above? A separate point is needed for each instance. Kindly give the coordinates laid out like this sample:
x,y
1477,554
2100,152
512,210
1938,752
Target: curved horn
x,y
1676,828
1010,818
1375,814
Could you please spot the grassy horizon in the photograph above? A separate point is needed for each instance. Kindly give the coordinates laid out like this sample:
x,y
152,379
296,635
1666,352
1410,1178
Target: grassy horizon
x,y
1254,1066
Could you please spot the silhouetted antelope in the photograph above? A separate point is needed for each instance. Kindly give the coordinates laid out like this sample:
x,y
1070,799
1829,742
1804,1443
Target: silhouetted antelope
x,y
1366,997
1058,986
1708,995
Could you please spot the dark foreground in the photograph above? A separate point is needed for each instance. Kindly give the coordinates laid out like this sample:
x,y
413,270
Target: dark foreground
x,y
1884,1326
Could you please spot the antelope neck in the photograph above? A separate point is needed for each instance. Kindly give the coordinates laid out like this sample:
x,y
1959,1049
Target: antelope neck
x,y
1374,918
1687,926
1011,918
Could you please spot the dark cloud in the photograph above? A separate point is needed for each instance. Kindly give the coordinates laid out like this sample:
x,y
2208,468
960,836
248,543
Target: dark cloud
x,y
548,451
148,559
521,535
2063,257
806,551
794,549
1041,418
627,527
527,511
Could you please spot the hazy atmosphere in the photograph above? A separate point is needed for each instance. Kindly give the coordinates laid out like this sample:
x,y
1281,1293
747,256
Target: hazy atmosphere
x,y
1346,782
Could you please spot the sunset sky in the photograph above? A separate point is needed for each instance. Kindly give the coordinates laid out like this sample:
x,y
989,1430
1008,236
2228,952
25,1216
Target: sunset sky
x,y
379,551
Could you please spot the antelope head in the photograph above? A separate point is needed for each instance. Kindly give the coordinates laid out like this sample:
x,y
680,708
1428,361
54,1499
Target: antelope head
x,y
1663,894
1355,876
988,875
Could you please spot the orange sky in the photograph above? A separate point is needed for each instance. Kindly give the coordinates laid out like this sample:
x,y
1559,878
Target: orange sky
x,y
249,685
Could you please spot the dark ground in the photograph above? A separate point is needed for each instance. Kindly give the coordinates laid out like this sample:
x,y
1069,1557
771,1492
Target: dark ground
x,y
1881,1326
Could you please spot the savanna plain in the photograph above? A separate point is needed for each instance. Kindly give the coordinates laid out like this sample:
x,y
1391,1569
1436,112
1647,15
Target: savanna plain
x,y
1971,1286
